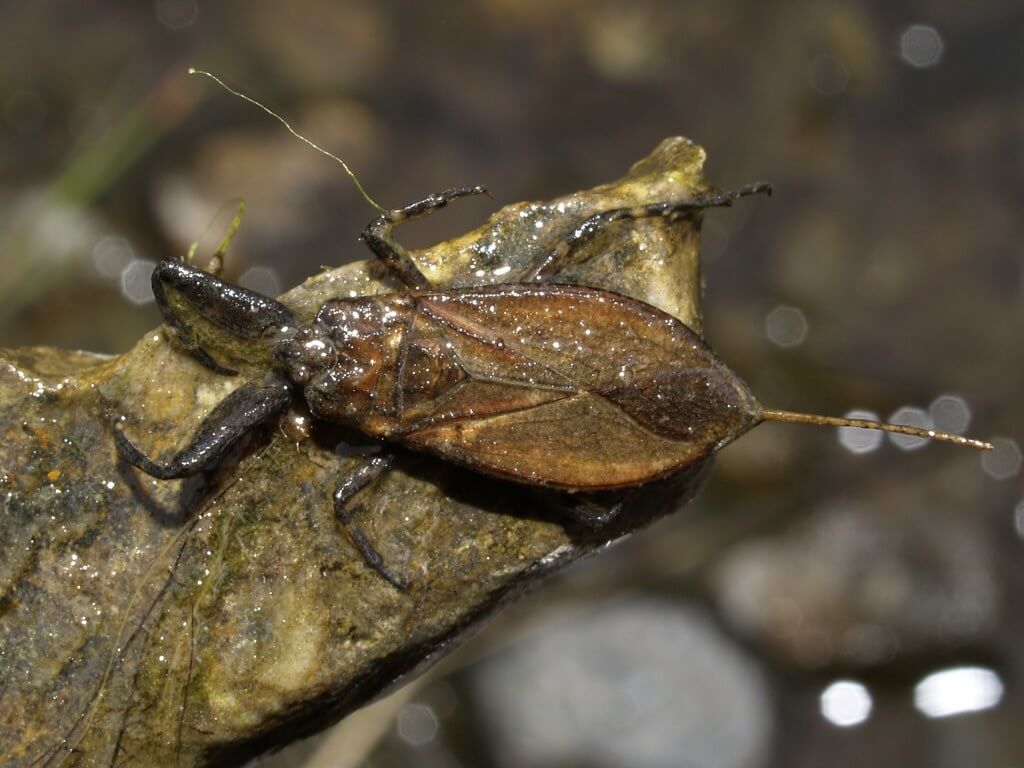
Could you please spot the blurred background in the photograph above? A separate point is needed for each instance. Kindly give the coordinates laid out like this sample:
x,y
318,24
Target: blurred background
x,y
831,598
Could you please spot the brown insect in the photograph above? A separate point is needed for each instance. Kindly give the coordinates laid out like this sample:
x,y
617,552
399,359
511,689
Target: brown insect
x,y
552,385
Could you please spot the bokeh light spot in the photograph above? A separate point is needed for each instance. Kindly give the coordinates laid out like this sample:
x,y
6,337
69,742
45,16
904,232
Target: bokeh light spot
x,y
136,281
950,413
958,691
1004,460
786,326
846,703
858,440
921,46
417,724
111,255
177,14
262,280
912,417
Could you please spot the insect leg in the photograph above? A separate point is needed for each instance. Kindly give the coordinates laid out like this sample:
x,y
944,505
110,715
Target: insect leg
x,y
379,239
550,264
349,486
243,312
241,411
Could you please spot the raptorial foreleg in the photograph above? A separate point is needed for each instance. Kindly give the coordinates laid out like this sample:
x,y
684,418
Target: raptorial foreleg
x,y
236,309
239,413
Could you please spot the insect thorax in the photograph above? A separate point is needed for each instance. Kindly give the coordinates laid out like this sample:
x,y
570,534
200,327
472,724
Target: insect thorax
x,y
365,361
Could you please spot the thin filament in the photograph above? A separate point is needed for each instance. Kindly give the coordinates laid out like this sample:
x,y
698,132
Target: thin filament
x,y
293,132
833,421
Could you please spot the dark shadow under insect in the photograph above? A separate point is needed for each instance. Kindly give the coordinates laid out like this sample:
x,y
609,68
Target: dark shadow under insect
x,y
550,385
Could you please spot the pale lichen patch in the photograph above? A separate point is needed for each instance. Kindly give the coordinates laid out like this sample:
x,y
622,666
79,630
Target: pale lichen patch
x,y
298,632
210,393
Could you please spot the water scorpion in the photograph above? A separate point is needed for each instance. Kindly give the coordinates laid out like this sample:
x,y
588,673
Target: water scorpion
x,y
556,385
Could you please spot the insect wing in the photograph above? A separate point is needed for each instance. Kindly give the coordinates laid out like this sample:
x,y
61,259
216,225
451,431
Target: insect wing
x,y
632,394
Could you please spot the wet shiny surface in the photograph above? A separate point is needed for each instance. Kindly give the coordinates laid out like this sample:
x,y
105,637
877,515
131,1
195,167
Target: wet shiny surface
x,y
602,391
891,136
205,621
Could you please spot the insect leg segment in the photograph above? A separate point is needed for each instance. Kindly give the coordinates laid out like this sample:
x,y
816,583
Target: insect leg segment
x,y
243,312
241,411
673,211
378,234
350,485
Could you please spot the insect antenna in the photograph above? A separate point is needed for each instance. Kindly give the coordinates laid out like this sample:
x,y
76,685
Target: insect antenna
x,y
769,414
293,132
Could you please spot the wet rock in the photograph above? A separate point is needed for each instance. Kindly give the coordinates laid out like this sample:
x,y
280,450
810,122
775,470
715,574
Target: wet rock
x,y
205,621
642,682
859,584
